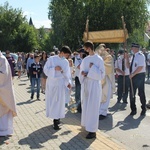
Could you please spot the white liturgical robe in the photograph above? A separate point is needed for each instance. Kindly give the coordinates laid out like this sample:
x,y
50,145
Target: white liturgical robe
x,y
7,100
91,91
56,86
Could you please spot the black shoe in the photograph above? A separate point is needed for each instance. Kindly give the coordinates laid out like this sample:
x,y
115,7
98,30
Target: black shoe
x,y
101,117
91,135
56,122
133,113
125,102
59,122
118,102
148,105
143,112
56,127
38,98
31,96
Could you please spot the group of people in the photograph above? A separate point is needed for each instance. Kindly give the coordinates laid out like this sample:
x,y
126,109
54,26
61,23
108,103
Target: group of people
x,y
94,83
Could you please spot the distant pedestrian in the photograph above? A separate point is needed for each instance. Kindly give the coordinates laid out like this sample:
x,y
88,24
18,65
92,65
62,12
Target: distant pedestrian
x,y
30,61
92,71
7,100
43,76
19,66
58,82
11,62
148,66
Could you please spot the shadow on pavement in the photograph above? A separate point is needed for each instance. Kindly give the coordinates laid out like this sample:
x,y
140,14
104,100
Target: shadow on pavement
x,y
38,137
20,84
107,123
129,123
117,107
77,142
24,80
27,102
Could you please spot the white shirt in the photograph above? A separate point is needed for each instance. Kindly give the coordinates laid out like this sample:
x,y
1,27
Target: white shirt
x,y
139,60
78,61
118,65
148,59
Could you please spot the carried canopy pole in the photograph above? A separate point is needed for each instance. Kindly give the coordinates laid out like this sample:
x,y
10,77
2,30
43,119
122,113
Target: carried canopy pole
x,y
125,46
87,28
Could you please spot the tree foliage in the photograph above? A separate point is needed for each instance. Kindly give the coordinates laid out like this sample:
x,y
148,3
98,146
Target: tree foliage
x,y
16,34
69,17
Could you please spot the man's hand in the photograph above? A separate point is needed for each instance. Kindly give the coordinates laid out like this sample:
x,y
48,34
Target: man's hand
x,y
123,73
34,72
84,73
69,86
78,66
58,68
131,76
91,64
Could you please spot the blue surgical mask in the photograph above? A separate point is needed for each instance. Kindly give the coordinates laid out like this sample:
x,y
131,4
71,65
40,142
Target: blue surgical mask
x,y
62,57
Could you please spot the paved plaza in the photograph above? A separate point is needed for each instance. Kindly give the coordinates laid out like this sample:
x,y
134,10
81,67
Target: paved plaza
x,y
32,130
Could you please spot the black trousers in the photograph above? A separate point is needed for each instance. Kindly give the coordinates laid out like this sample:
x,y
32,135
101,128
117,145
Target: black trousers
x,y
77,90
138,82
123,94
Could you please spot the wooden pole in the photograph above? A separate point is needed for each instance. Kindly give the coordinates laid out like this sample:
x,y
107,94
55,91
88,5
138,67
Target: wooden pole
x,y
87,28
125,46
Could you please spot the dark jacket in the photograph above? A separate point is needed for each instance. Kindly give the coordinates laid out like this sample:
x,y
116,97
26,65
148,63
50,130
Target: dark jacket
x,y
36,68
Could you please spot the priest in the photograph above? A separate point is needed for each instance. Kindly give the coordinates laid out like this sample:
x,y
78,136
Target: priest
x,y
7,99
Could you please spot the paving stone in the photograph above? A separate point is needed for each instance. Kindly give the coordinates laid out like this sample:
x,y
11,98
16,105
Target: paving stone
x,y
32,130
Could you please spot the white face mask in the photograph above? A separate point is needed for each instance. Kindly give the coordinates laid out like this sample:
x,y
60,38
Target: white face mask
x,y
132,52
121,56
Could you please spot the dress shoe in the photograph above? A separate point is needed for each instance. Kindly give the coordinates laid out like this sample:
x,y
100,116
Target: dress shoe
x,y
38,98
101,117
133,113
91,135
143,112
56,123
32,96
118,102
56,127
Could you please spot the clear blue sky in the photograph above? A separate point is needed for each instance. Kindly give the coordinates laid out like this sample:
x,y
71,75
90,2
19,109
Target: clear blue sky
x,y
37,9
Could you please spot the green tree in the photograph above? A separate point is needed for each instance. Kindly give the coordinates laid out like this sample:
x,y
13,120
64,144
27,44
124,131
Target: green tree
x,y
16,34
25,38
69,16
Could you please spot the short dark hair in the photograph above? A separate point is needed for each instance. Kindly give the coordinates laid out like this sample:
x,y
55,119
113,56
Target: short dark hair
x,y
89,44
36,56
66,49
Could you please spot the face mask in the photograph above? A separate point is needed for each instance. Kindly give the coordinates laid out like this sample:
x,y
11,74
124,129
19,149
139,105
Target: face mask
x,y
62,57
132,52
121,56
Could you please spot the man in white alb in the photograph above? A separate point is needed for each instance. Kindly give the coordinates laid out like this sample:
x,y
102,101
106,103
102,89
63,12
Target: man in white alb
x,y
91,73
58,82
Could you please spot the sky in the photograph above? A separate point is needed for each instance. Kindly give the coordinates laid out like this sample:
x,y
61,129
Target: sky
x,y
36,9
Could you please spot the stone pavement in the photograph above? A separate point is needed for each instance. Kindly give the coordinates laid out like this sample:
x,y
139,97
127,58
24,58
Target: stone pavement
x,y
32,130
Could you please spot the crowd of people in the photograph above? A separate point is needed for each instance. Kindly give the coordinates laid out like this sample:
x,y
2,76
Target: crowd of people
x,y
92,72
